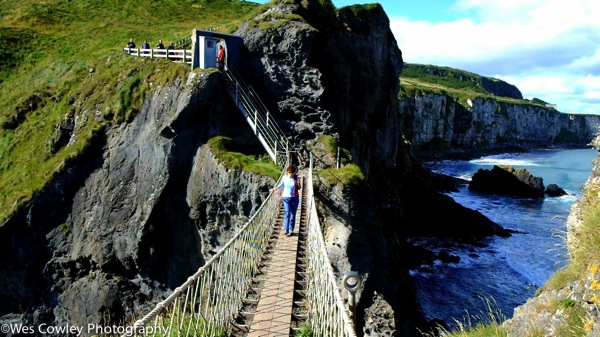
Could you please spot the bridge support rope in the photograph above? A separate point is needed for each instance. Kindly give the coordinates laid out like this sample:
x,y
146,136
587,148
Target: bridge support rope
x,y
209,300
205,304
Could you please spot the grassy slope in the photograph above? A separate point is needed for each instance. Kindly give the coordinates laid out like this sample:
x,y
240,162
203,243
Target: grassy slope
x,y
46,51
458,84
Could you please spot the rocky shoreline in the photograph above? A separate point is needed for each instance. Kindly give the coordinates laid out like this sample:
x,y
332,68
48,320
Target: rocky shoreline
x,y
552,309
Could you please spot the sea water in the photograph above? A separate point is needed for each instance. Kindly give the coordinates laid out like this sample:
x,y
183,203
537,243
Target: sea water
x,y
503,272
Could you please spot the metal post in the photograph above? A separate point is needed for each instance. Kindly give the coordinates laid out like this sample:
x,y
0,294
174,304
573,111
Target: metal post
x,y
352,283
352,306
338,157
256,120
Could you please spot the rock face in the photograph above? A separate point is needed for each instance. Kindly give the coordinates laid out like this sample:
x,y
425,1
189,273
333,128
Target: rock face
x,y
135,216
501,88
333,74
504,179
438,126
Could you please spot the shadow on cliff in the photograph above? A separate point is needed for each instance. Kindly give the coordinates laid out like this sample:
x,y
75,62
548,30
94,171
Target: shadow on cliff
x,y
26,238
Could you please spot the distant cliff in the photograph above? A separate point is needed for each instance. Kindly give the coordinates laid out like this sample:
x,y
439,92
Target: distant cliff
x,y
437,125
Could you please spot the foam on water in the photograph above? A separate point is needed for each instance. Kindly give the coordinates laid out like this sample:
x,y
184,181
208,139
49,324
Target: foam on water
x,y
506,270
504,161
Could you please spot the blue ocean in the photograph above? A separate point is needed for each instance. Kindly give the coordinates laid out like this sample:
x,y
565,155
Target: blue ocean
x,y
503,271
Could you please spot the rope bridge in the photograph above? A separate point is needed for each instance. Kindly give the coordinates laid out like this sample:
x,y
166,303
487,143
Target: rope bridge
x,y
206,304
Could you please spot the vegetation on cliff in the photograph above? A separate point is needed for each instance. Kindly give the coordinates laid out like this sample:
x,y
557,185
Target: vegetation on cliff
x,y
459,84
63,75
226,154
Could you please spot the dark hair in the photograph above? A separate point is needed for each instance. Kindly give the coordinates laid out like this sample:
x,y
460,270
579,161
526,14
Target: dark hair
x,y
291,168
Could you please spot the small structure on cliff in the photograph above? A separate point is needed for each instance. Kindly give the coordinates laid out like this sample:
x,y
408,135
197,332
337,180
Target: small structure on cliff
x,y
204,46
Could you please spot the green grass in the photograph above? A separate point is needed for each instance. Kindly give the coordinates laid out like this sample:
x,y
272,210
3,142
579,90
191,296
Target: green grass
x,y
349,175
478,330
574,325
584,248
444,77
460,85
488,324
47,49
584,243
304,330
330,143
561,278
263,165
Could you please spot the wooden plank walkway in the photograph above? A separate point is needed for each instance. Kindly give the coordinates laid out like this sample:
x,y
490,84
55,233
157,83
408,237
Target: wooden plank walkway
x,y
273,316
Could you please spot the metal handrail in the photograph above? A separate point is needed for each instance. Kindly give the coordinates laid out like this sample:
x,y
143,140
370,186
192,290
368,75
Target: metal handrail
x,y
258,116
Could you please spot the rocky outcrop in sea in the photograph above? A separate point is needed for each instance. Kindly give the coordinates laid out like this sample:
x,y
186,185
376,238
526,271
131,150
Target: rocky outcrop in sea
x,y
505,179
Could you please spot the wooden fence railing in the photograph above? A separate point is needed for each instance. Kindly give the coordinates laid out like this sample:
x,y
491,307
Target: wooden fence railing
x,y
180,55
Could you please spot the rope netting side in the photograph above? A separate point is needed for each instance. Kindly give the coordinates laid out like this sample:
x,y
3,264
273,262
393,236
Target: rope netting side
x,y
207,302
328,314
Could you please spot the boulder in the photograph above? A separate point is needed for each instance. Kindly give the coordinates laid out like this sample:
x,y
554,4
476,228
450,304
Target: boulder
x,y
554,191
504,179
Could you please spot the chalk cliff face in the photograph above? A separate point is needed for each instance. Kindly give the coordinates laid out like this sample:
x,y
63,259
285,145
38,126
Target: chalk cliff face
x,y
437,125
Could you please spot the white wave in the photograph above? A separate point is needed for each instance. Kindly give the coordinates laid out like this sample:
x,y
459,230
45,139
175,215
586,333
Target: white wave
x,y
504,161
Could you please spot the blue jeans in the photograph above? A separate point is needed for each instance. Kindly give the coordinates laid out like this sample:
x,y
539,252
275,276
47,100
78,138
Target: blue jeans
x,y
290,206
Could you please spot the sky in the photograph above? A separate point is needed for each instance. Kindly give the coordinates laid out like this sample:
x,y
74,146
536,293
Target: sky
x,y
549,49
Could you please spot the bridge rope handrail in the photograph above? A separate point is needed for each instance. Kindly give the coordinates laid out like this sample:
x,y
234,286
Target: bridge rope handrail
x,y
328,315
209,299
207,302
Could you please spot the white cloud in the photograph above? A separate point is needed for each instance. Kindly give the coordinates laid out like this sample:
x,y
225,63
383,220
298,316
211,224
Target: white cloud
x,y
547,48
541,85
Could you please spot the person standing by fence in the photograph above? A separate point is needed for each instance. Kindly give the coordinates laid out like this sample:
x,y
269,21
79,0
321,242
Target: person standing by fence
x,y
169,49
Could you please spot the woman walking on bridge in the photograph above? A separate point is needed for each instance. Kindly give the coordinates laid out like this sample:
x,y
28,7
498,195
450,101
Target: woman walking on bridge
x,y
290,198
